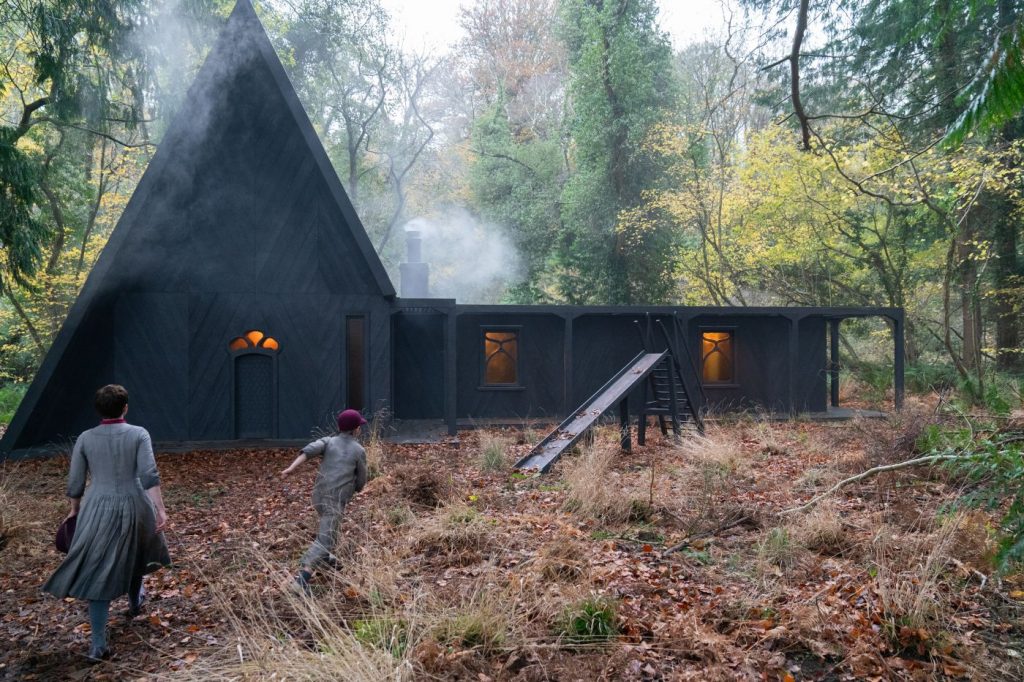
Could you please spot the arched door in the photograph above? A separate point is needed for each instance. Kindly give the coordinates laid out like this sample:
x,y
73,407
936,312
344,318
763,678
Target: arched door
x,y
254,389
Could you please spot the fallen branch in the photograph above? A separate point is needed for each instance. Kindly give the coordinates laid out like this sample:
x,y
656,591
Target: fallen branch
x,y
920,461
738,521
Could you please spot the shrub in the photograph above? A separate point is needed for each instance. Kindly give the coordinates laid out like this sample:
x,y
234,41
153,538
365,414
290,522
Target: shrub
x,y
399,515
593,491
10,398
492,452
589,621
821,531
996,468
482,626
778,548
909,587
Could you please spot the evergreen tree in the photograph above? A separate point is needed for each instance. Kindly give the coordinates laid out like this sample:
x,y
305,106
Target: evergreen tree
x,y
515,185
621,86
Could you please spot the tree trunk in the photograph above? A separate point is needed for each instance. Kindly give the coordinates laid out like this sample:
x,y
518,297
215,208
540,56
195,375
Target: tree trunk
x,y
1009,283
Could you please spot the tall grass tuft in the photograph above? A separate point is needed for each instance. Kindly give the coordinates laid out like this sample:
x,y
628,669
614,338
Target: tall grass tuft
x,y
593,489
492,452
290,636
590,621
375,444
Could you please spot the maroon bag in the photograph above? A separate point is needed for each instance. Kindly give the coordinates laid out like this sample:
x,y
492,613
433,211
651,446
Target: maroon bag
x,y
66,533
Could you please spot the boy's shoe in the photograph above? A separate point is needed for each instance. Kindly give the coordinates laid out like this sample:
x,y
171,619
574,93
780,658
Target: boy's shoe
x,y
135,608
97,654
300,585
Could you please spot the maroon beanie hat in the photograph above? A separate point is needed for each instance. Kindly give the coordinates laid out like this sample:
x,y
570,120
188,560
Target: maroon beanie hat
x,y
349,420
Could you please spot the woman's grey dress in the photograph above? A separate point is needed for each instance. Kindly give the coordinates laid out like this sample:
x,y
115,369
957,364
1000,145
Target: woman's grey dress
x,y
115,537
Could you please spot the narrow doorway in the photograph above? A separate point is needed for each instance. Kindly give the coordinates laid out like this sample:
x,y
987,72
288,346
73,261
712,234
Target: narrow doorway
x,y
355,362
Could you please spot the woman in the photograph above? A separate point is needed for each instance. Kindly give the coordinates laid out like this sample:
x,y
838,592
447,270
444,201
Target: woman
x,y
117,537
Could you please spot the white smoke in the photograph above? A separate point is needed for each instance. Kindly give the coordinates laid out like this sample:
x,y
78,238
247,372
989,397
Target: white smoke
x,y
470,261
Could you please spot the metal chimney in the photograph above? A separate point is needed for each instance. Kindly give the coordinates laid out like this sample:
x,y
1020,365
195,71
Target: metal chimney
x,y
415,273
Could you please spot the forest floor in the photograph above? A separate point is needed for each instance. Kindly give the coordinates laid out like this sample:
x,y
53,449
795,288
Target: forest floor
x,y
454,567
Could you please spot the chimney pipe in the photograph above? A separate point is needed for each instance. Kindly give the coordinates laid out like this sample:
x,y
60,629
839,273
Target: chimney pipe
x,y
415,273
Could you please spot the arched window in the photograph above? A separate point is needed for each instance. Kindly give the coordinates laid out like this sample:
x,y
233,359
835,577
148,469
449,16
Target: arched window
x,y
252,340
501,356
719,365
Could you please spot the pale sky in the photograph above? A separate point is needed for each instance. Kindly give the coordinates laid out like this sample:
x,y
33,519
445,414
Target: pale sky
x,y
434,23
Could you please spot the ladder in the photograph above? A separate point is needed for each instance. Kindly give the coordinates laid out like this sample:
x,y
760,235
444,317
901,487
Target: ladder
x,y
667,393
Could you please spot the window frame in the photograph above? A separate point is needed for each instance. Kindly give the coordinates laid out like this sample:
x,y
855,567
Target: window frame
x,y
485,329
718,329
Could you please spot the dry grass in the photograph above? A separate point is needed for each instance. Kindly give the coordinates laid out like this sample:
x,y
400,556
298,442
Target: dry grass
x,y
778,551
908,576
719,451
493,448
15,517
816,478
595,490
457,531
562,561
821,530
281,634
375,464
486,618
713,464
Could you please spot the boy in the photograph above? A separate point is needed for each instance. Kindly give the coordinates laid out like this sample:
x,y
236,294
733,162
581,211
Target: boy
x,y
342,474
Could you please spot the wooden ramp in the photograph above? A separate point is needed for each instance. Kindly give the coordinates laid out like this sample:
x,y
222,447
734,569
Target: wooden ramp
x,y
547,452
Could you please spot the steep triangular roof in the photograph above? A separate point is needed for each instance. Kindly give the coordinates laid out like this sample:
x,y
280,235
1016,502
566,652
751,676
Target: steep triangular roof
x,y
242,128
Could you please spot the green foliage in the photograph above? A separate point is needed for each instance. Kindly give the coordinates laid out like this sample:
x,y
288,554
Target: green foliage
x,y
998,393
590,621
515,182
10,398
929,377
937,437
997,92
492,454
995,466
386,634
622,84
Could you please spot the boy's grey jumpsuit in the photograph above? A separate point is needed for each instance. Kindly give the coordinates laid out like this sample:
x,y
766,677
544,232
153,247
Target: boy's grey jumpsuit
x,y
342,474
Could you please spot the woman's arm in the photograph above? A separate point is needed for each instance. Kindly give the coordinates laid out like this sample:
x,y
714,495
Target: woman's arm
x,y
149,477
76,477
158,503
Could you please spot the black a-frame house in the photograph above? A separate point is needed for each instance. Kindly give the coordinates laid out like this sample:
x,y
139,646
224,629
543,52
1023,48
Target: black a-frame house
x,y
239,290
240,298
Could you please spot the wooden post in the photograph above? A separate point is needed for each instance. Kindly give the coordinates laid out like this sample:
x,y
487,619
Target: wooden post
x,y
449,379
833,363
794,361
898,360
673,400
625,440
567,366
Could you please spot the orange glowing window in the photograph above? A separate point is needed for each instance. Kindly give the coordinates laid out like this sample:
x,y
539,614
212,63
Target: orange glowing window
x,y
501,358
717,357
253,339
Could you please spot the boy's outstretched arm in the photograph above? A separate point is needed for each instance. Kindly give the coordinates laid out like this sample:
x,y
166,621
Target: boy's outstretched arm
x,y
294,465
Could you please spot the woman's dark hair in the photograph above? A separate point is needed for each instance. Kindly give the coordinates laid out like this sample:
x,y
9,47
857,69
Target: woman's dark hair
x,y
110,401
